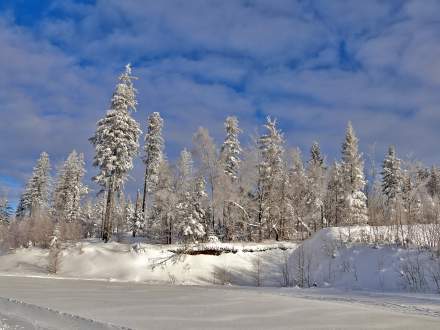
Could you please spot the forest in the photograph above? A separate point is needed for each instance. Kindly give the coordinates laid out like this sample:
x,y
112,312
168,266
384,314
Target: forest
x,y
229,192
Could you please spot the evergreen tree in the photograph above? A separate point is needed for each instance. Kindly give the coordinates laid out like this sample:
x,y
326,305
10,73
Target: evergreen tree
x,y
192,212
230,151
69,188
270,167
352,168
5,211
205,152
35,198
335,196
154,145
391,177
316,186
116,143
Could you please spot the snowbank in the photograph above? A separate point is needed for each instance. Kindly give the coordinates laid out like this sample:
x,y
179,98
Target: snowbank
x,y
239,264
352,258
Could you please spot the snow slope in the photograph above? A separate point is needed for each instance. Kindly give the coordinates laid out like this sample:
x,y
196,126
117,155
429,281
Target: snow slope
x,y
240,264
349,258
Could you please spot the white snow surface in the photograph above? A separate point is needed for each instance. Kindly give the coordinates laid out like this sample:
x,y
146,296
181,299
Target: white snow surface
x,y
154,263
109,286
79,304
350,258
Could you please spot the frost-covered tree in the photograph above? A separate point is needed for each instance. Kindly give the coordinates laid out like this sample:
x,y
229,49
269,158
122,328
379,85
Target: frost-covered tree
x,y
116,143
270,167
192,212
162,215
433,182
205,152
5,211
35,198
230,160
69,188
352,167
391,177
136,221
335,196
298,191
316,186
154,145
231,149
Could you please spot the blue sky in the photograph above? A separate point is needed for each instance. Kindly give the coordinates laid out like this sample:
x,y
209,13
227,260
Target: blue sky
x,y
312,64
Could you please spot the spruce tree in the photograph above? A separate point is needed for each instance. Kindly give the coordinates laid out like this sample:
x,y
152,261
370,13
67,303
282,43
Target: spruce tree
x,y
391,177
116,143
154,145
69,188
230,151
270,167
316,189
352,167
35,198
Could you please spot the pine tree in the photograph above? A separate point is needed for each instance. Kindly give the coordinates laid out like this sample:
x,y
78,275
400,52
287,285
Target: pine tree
x,y
316,186
69,188
335,196
230,151
5,211
270,167
230,161
136,222
116,143
391,177
433,182
35,198
352,168
154,145
192,211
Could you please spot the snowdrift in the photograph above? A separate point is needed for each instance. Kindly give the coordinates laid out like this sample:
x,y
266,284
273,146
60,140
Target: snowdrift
x,y
211,263
357,258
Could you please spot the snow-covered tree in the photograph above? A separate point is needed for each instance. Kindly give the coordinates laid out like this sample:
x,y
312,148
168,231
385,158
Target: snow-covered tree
x,y
69,188
271,151
116,143
316,186
231,149
162,215
35,198
5,211
228,190
154,145
391,177
335,196
205,152
352,167
298,190
192,212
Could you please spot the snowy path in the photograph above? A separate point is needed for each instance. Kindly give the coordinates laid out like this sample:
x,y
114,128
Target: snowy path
x,y
139,306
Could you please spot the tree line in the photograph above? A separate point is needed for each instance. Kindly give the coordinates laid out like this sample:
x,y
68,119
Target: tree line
x,y
229,192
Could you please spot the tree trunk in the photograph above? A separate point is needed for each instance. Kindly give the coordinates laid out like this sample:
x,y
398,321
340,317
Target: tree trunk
x,y
106,234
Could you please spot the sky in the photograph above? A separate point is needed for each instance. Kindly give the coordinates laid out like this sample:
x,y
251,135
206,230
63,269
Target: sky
x,y
314,65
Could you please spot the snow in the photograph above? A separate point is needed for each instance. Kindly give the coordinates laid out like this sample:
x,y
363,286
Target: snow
x,y
155,263
141,306
350,258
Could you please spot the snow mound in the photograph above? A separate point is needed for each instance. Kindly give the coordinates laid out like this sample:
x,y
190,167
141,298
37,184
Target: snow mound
x,y
211,263
354,258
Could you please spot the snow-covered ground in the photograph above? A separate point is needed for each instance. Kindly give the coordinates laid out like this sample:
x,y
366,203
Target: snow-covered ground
x,y
352,259
142,306
356,283
239,265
